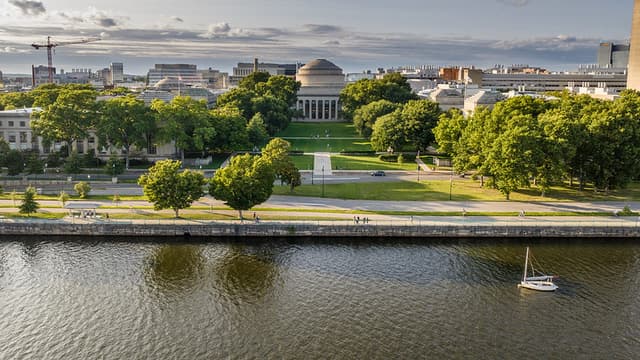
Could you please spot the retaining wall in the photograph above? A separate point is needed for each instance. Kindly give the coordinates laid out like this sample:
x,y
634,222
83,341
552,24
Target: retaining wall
x,y
308,230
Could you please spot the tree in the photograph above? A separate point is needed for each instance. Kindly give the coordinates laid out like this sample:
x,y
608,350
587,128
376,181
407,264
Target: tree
x,y
419,118
231,130
83,189
365,116
251,81
281,87
184,121
73,164
257,131
276,112
245,183
169,188
29,204
388,132
239,98
14,161
277,153
392,87
449,130
68,119
114,166
125,122
63,197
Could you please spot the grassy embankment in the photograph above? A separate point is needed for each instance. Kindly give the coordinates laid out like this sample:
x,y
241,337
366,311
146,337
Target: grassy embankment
x,y
324,137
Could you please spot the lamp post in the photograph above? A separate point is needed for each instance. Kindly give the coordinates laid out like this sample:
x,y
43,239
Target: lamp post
x,y
322,180
418,172
450,184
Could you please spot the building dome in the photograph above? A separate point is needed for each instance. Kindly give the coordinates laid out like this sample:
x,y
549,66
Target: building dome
x,y
320,72
167,84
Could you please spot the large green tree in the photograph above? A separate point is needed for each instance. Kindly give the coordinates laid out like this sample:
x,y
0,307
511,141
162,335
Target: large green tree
x,y
124,122
419,118
365,116
245,183
389,132
392,87
277,152
29,205
184,121
169,188
68,119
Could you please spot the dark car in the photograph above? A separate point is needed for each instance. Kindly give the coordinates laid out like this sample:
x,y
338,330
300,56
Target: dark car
x,y
378,173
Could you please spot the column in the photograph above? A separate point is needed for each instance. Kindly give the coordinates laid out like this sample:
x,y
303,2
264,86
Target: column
x,y
320,109
331,110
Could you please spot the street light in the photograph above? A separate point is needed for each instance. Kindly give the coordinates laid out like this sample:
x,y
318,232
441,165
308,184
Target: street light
x,y
322,180
418,172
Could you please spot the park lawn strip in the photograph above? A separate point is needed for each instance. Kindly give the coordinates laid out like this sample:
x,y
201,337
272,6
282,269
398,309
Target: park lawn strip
x,y
302,162
344,162
329,145
310,129
461,190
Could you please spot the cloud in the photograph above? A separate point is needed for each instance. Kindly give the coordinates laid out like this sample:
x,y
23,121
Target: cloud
x,y
28,7
177,19
93,16
331,42
322,29
517,3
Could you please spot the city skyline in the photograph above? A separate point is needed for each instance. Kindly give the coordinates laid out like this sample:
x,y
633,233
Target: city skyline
x,y
357,35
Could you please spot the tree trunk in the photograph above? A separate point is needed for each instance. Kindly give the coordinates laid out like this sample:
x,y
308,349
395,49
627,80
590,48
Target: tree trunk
x,y
481,180
240,214
126,157
177,211
508,196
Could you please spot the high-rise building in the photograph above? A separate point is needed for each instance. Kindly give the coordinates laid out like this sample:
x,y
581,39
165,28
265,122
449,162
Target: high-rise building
x,y
633,75
117,72
187,74
612,55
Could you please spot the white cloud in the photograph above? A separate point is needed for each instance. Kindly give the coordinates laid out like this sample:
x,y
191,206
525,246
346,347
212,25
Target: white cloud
x,y
29,7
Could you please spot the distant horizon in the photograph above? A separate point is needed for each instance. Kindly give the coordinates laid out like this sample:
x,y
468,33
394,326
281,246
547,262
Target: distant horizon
x,y
357,35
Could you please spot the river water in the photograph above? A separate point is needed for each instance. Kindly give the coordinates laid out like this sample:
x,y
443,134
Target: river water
x,y
89,299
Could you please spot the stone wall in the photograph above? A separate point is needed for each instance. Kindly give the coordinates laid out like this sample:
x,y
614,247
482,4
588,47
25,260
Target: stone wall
x,y
114,229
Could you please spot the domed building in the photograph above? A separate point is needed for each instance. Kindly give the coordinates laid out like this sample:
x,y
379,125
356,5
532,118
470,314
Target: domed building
x,y
318,97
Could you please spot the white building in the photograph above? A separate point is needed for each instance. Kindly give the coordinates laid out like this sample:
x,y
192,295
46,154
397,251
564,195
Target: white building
x,y
319,94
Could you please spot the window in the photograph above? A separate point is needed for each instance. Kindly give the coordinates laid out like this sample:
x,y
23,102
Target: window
x,y
23,137
12,138
80,147
1,135
92,140
22,124
0,123
11,123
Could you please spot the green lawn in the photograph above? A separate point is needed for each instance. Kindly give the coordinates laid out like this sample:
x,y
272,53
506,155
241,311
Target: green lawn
x,y
334,145
296,129
303,162
342,162
462,189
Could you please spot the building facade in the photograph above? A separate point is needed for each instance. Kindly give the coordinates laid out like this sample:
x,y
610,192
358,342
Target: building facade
x,y
186,73
116,70
319,95
612,55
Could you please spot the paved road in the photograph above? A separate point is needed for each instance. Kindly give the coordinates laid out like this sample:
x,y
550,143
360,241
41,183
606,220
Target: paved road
x,y
322,164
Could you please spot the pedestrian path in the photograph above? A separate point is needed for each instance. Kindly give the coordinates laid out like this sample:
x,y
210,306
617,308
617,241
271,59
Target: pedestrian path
x,y
322,164
422,165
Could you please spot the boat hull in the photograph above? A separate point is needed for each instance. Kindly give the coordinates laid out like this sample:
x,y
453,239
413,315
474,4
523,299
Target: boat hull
x,y
538,285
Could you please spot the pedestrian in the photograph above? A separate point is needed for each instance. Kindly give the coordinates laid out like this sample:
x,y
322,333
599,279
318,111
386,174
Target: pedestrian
x,y
357,219
464,212
412,219
254,215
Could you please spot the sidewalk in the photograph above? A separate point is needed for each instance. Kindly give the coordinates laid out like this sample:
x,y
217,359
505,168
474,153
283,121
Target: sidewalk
x,y
322,164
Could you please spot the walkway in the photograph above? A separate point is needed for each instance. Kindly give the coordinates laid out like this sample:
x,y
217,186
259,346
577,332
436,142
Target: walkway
x,y
422,165
322,164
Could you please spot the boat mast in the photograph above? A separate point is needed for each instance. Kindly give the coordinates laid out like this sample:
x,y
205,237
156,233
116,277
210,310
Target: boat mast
x,y
526,262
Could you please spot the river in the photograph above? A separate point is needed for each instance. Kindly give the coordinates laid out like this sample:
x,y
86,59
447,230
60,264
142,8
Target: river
x,y
91,298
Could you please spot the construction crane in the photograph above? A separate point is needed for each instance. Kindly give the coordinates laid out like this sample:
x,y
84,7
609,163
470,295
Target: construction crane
x,y
51,45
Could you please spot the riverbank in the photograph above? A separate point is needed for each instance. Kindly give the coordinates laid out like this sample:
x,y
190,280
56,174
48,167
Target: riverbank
x,y
422,228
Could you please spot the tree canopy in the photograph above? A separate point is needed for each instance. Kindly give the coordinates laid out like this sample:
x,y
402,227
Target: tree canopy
x,y
392,87
169,188
246,182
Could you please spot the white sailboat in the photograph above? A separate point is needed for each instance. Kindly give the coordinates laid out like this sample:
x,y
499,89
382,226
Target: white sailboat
x,y
540,283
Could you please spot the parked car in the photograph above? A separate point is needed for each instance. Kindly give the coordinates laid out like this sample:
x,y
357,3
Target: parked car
x,y
378,173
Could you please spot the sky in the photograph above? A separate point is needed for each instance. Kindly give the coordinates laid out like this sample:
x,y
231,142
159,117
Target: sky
x,y
356,35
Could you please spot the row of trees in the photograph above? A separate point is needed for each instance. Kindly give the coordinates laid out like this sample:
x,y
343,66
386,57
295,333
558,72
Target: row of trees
x,y
524,139
247,181
387,112
244,117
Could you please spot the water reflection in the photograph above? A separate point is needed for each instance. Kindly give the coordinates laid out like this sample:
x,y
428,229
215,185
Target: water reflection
x,y
245,274
174,268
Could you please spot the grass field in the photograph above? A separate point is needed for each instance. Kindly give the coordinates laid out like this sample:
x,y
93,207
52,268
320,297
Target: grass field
x,y
342,162
329,145
303,162
461,190
297,129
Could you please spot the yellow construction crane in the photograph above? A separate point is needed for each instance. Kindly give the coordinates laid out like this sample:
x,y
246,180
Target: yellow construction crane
x,y
52,44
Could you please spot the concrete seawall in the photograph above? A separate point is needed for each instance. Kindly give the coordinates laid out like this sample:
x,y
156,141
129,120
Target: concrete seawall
x,y
293,230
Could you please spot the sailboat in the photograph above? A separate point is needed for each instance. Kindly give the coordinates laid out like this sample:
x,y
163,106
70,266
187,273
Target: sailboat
x,y
541,282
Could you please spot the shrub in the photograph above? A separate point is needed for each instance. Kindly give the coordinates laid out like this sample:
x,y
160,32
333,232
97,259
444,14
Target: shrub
x,y
73,164
388,157
402,159
29,204
82,188
626,211
63,197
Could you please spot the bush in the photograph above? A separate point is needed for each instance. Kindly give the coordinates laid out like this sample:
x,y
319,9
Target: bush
x,y
114,166
626,211
29,204
53,159
140,162
402,159
73,164
388,157
357,153
82,188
